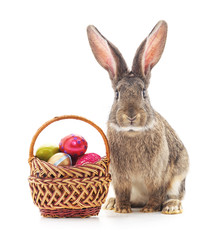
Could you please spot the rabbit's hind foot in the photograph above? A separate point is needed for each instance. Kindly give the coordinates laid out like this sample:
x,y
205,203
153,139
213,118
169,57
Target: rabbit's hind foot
x,y
172,206
110,204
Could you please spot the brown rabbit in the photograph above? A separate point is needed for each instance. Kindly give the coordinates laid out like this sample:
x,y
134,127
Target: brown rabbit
x,y
149,162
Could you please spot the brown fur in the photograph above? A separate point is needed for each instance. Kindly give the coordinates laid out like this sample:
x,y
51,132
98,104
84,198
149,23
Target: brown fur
x,y
149,162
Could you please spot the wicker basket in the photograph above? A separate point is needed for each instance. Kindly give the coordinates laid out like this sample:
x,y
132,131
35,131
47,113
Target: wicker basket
x,y
69,191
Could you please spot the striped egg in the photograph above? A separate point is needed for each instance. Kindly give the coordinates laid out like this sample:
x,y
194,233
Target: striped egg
x,y
61,159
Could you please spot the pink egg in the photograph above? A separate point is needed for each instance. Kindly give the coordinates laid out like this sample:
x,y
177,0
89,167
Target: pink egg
x,y
88,158
73,145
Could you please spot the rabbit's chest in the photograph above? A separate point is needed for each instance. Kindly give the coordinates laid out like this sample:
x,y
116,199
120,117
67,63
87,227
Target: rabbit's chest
x,y
133,157
134,154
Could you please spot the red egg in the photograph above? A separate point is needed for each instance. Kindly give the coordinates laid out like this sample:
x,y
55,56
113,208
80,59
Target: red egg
x,y
88,158
73,145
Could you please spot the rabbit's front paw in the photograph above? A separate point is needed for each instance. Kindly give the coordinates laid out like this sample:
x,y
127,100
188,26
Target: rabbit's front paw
x,y
123,208
151,208
172,206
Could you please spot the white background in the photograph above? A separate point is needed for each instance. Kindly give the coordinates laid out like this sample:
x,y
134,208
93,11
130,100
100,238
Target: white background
x,y
47,69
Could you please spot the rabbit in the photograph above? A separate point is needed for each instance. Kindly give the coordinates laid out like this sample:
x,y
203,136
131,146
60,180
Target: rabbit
x,y
149,163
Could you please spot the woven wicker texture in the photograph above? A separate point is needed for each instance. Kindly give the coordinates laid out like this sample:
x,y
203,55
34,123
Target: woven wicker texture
x,y
68,213
69,191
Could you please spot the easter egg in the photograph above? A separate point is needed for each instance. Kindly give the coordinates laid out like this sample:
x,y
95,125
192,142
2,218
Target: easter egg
x,y
73,145
46,151
88,158
60,159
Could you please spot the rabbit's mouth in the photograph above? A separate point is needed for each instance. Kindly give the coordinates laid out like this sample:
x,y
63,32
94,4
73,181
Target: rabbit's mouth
x,y
131,122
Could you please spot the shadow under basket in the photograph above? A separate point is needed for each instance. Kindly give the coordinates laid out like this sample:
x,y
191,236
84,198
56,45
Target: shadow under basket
x,y
69,191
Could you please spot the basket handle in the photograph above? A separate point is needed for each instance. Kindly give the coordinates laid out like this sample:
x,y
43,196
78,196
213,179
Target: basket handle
x,y
31,149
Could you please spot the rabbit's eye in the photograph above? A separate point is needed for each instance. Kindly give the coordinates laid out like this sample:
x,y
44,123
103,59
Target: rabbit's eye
x,y
144,93
116,94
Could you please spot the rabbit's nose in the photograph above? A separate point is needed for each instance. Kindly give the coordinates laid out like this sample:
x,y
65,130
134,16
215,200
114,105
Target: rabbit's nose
x,y
132,119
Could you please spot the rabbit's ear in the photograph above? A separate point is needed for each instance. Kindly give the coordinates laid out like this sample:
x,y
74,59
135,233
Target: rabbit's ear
x,y
150,50
106,54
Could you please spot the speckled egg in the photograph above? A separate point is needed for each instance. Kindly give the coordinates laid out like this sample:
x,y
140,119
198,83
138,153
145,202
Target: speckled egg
x,y
73,145
88,158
